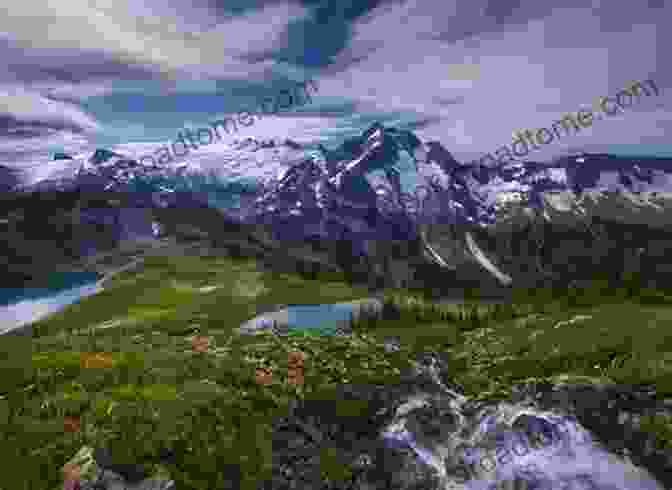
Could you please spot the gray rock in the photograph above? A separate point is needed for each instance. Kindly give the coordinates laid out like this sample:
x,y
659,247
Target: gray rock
x,y
440,420
99,473
392,344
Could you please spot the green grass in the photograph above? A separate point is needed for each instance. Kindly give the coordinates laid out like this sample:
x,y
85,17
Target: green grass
x,y
209,406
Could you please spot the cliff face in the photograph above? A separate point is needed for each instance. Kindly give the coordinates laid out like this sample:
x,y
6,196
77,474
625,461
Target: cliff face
x,y
514,224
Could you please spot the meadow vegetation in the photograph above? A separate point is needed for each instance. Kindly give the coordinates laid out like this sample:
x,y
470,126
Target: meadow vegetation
x,y
154,390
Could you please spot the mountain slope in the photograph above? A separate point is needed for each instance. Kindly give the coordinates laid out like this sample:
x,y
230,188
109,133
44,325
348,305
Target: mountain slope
x,y
517,223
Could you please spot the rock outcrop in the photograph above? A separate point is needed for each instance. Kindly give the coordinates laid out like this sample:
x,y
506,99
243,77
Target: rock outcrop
x,y
421,433
476,227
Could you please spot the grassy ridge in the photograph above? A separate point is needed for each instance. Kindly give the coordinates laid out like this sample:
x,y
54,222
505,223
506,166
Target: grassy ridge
x,y
157,391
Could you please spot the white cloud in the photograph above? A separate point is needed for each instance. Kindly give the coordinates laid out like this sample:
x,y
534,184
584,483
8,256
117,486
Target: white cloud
x,y
409,57
33,107
140,35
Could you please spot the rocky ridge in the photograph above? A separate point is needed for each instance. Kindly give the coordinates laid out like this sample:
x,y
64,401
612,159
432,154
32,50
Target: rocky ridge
x,y
486,228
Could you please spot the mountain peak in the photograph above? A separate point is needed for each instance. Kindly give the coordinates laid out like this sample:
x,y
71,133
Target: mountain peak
x,y
102,155
376,126
61,156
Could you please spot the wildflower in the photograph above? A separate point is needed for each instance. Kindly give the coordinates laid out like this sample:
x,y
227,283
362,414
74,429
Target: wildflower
x,y
71,485
295,364
295,359
200,343
295,376
297,379
71,476
264,375
96,360
72,423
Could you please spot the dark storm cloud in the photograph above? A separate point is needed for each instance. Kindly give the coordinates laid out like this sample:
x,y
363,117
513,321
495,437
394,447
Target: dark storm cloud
x,y
507,65
468,73
12,127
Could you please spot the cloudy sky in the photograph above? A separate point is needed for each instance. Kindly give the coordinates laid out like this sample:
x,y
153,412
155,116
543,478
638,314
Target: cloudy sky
x,y
127,74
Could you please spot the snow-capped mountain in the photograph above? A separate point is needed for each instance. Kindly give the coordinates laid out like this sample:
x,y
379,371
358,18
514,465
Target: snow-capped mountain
x,y
460,194
387,185
367,174
340,193
217,174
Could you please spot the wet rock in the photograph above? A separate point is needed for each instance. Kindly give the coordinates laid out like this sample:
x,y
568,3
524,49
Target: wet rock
x,y
439,419
613,414
96,470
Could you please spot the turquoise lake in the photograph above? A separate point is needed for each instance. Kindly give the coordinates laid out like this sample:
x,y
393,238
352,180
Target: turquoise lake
x,y
19,307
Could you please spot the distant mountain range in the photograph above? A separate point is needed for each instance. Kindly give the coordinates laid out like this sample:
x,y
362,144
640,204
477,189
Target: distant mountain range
x,y
514,223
